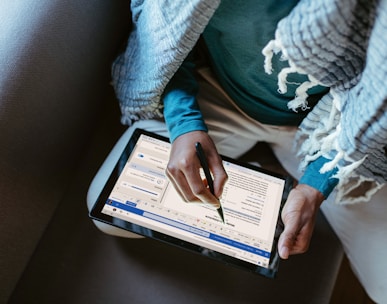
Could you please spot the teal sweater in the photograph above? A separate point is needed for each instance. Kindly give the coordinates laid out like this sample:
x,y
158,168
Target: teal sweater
x,y
234,37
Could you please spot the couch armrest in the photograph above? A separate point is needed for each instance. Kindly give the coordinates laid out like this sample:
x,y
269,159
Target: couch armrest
x,y
55,61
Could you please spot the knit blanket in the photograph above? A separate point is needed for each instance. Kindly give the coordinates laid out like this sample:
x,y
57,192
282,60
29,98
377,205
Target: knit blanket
x,y
339,44
342,45
163,34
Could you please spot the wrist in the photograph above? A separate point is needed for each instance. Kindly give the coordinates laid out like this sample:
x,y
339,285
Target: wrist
x,y
312,195
323,182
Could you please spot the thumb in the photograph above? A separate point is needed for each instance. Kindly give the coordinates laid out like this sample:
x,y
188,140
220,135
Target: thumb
x,y
218,172
288,237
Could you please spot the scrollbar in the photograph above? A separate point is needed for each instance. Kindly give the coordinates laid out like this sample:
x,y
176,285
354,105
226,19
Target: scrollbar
x,y
176,224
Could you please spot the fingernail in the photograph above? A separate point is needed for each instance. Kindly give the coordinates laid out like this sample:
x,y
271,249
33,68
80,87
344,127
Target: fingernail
x,y
284,253
211,205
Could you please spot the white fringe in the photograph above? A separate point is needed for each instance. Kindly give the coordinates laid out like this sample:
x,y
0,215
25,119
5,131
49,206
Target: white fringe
x,y
300,101
273,47
322,140
344,196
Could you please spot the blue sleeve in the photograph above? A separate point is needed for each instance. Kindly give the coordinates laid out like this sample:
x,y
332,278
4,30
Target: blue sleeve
x,y
181,110
325,183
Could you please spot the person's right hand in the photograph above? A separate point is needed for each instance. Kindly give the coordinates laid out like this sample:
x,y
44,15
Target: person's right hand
x,y
184,168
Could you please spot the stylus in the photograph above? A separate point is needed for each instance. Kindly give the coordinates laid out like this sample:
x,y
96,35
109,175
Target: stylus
x,y
207,173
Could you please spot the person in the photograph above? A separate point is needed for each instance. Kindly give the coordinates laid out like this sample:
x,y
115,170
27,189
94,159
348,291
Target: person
x,y
304,72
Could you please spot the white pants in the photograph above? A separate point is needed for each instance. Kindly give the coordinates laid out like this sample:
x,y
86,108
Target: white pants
x,y
361,228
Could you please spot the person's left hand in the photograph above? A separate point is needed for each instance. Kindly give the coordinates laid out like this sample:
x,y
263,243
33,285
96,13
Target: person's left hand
x,y
298,216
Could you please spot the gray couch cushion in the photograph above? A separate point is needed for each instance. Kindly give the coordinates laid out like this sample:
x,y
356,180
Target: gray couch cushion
x,y
55,59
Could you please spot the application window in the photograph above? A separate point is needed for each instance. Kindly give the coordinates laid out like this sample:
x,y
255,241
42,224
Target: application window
x,y
251,200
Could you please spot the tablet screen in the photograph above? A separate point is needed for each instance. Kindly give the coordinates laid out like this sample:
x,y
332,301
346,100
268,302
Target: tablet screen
x,y
140,198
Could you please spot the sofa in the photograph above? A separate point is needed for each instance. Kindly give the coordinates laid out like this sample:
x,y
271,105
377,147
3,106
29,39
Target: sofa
x,y
59,120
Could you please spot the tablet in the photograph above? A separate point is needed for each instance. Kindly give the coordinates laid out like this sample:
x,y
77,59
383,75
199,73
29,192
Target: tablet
x,y
138,197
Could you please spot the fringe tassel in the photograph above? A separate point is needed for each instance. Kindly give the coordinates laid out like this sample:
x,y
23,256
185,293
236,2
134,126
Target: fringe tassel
x,y
300,101
273,47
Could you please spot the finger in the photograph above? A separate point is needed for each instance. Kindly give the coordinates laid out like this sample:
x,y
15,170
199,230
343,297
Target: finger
x,y
200,190
181,186
291,244
288,237
285,245
298,216
176,186
217,170
220,177
190,185
295,238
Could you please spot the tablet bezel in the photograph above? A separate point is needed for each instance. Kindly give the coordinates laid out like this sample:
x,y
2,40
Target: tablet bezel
x,y
96,214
